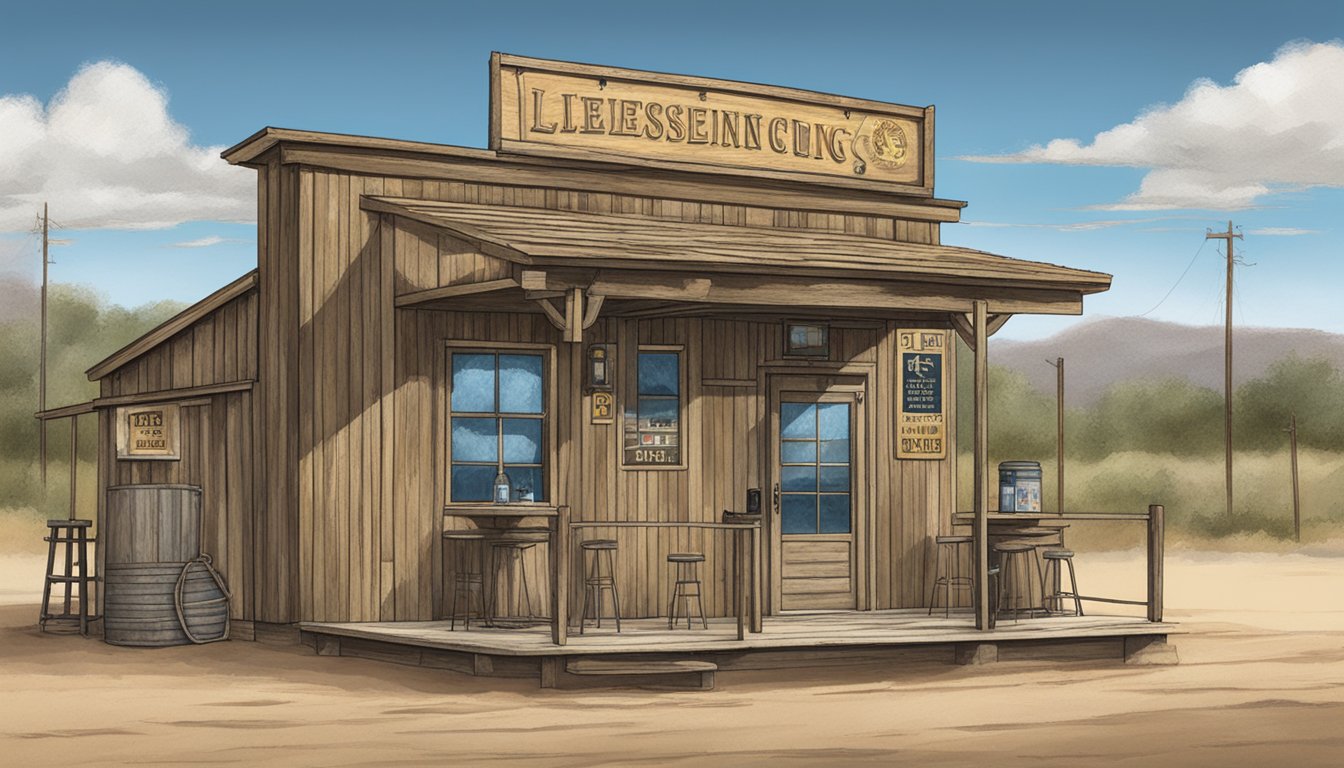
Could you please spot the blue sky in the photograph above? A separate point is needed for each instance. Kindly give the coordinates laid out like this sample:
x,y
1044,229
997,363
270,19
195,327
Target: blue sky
x,y
1005,77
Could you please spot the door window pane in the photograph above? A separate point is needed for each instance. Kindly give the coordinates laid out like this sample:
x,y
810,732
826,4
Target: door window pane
x,y
798,451
799,513
834,479
798,478
520,383
833,421
834,513
798,420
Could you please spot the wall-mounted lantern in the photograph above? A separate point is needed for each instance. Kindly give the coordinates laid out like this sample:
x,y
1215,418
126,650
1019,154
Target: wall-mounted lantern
x,y
600,367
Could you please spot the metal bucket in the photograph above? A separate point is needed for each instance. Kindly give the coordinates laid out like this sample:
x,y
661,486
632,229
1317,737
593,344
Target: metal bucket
x,y
1020,486
161,604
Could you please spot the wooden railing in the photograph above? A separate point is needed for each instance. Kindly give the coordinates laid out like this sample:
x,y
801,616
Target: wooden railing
x,y
746,565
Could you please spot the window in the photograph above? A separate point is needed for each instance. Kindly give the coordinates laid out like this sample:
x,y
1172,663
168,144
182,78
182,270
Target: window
x,y
653,410
498,422
814,472
807,340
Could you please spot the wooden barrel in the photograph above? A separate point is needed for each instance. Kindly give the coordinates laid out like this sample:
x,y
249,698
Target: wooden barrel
x,y
140,605
151,524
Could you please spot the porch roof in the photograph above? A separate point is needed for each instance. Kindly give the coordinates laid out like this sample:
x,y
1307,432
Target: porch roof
x,y
544,237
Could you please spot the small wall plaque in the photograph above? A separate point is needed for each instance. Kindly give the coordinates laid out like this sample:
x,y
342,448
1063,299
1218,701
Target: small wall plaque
x,y
604,408
149,432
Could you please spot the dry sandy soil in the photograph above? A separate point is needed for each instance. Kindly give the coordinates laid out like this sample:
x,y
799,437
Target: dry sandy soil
x,y
1260,683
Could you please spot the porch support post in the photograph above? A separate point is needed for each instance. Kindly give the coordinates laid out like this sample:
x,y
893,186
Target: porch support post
x,y
1156,523
981,527
756,578
560,576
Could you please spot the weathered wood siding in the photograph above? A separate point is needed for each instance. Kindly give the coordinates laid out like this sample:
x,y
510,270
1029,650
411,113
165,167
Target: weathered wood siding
x,y
218,452
347,417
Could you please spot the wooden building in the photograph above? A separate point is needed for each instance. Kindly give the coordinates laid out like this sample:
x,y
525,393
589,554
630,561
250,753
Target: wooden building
x,y
651,294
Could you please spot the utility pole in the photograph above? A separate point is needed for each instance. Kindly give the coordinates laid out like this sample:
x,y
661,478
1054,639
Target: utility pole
x,y
1229,235
1297,505
1059,437
42,363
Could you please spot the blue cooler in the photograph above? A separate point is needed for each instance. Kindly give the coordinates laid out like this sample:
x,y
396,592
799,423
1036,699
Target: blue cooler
x,y
1020,486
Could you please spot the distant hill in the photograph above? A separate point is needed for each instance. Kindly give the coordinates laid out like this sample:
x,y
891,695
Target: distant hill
x,y
1104,351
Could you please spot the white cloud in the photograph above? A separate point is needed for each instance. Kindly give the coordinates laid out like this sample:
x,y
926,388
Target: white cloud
x,y
1281,232
1079,226
204,242
105,153
1278,127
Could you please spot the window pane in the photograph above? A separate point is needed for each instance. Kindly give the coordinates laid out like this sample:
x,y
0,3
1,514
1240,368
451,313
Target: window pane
x,y
522,441
798,478
835,513
475,439
656,414
799,513
835,451
472,483
658,373
526,478
473,383
798,451
835,479
833,420
798,420
520,383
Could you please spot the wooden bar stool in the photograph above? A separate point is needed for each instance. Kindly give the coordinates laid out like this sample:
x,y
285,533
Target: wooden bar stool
x,y
467,578
1015,577
508,549
74,534
950,573
993,574
601,551
686,586
1051,577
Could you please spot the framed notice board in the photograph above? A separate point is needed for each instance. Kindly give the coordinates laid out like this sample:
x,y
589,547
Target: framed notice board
x,y
921,399
149,432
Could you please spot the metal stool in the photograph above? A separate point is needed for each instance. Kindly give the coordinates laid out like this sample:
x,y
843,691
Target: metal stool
x,y
1015,572
603,551
687,565
507,548
73,534
993,574
467,578
1051,577
956,575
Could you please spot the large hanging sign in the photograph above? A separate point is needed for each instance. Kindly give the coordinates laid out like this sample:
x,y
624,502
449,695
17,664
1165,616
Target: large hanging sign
x,y
149,432
921,415
561,109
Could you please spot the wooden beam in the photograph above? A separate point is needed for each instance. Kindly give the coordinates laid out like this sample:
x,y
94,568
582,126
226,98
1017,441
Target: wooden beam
x,y
1157,515
450,291
560,566
995,322
532,279
980,528
167,395
78,409
554,315
590,313
962,325
574,316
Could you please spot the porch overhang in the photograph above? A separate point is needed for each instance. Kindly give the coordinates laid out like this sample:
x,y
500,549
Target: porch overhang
x,y
650,267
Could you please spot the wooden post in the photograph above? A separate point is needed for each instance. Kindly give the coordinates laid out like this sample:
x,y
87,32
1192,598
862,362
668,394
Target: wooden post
x,y
560,576
1156,522
981,527
756,578
740,580
1059,438
74,462
1297,503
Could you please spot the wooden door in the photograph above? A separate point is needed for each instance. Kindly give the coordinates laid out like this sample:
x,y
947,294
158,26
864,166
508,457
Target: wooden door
x,y
816,455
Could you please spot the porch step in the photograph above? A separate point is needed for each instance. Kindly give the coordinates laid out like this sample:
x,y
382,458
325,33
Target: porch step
x,y
680,674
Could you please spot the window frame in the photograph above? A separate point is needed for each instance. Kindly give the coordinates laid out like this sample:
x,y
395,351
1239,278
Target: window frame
x,y
548,426
630,390
824,354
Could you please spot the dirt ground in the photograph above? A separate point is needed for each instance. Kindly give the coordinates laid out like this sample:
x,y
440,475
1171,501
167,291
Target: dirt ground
x,y
1260,683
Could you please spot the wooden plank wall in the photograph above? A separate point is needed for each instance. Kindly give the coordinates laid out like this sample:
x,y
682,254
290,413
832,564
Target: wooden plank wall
x,y
362,511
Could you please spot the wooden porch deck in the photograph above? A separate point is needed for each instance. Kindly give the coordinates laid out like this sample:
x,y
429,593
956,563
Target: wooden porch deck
x,y
787,641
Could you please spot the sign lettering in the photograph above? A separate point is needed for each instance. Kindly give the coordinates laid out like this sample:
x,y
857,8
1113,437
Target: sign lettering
x,y
148,432
921,420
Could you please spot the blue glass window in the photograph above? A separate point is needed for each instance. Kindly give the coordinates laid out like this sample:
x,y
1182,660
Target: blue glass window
x,y
497,422
815,480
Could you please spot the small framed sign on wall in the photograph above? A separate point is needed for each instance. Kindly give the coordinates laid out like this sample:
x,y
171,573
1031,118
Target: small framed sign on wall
x,y
149,432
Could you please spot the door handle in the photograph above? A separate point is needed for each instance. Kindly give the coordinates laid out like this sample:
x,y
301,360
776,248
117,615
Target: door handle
x,y
774,498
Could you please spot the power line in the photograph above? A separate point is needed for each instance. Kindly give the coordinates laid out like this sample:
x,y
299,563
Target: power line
x,y
1172,290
